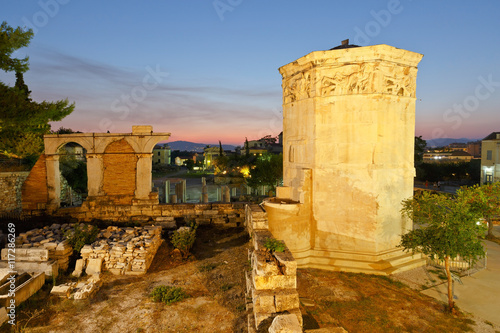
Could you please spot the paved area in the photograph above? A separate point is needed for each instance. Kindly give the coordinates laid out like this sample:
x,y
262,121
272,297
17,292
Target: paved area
x,y
480,292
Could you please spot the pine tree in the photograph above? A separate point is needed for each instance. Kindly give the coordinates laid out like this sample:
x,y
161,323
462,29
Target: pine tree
x,y
23,122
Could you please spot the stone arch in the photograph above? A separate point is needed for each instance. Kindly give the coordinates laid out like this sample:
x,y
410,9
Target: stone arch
x,y
55,141
72,167
107,154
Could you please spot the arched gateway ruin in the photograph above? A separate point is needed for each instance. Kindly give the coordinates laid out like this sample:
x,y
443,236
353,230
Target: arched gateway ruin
x,y
118,169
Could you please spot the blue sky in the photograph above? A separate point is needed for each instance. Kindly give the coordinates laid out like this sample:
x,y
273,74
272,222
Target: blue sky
x,y
208,70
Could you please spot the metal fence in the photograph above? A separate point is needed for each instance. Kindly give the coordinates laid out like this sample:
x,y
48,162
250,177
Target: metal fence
x,y
463,267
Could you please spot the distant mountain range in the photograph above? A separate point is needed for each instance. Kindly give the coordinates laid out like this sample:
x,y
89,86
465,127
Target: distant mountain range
x,y
195,147
441,142
198,147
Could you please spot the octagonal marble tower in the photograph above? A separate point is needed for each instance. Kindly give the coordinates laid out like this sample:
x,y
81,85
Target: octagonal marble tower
x,y
348,132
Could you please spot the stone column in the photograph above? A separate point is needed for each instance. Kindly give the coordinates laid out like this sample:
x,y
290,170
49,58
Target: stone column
x,y
167,191
204,194
53,181
226,194
184,191
95,174
219,195
143,175
173,198
180,191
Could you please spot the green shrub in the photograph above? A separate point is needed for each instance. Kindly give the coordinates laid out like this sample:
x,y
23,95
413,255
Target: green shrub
x,y
168,294
183,239
274,245
81,236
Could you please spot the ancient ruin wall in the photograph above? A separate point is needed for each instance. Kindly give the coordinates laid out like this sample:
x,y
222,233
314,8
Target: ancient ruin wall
x,y
10,191
34,190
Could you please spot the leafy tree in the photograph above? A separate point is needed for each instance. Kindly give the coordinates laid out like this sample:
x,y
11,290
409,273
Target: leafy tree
x,y
268,140
23,122
447,229
420,145
10,41
485,200
268,171
221,151
63,130
247,148
189,164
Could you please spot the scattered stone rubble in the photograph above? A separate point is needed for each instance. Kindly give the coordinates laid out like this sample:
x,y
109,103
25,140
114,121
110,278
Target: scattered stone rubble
x,y
121,251
78,290
42,250
52,239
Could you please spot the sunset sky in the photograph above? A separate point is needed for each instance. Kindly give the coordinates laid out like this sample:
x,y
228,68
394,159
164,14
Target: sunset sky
x,y
208,70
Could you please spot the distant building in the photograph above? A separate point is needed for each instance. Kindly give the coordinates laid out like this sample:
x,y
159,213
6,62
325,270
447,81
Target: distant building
x,y
75,150
264,145
490,158
210,154
460,156
457,146
474,148
447,156
179,160
162,154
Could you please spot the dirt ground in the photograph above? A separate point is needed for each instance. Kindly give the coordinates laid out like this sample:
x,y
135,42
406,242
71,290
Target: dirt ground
x,y
213,277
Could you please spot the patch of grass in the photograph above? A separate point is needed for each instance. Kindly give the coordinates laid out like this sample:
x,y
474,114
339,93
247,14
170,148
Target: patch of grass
x,y
274,245
168,294
226,286
207,267
313,312
393,282
81,236
488,323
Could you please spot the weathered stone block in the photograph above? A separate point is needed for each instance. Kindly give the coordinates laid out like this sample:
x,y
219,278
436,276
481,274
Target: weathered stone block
x,y
287,262
263,301
286,300
27,254
61,290
94,266
287,323
273,282
78,268
263,267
